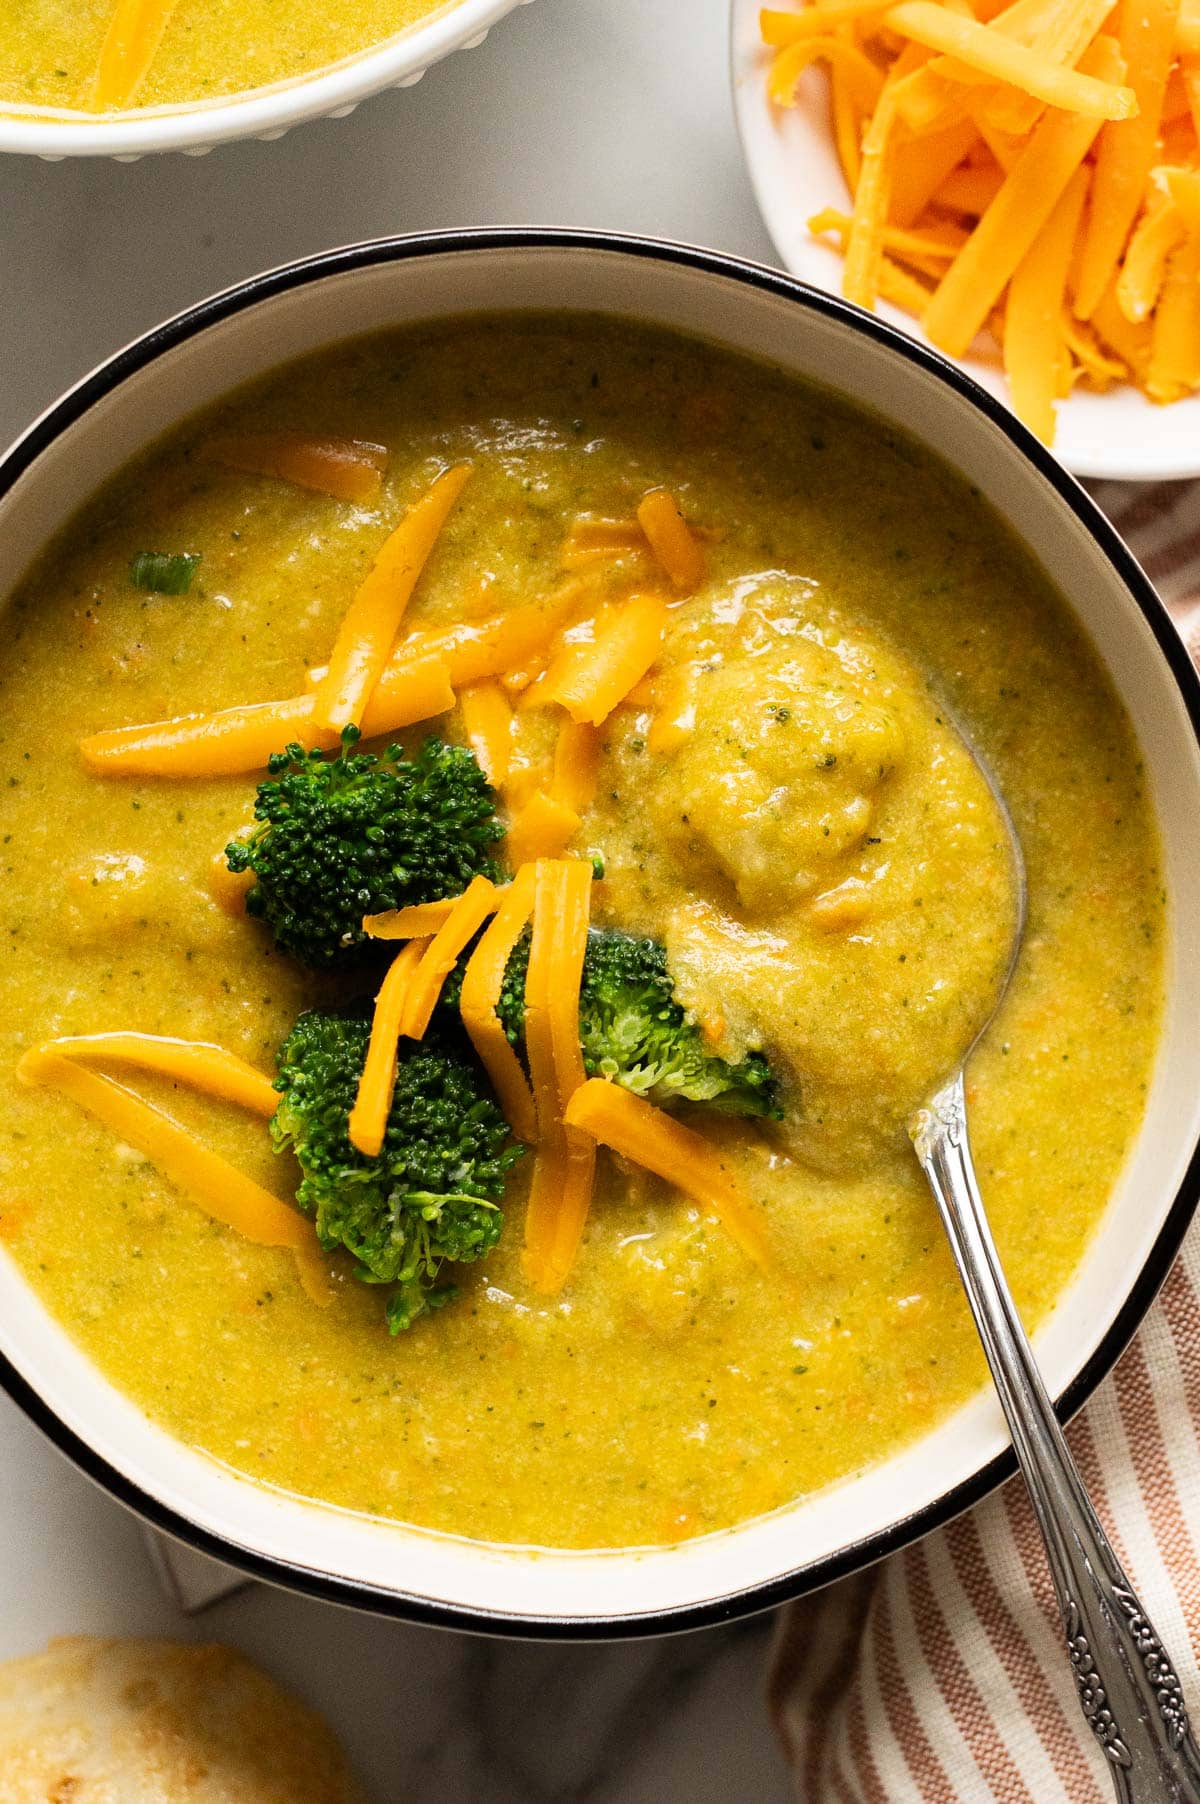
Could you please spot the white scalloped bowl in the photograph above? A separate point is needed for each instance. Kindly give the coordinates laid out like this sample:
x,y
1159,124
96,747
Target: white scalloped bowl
x,y
794,172
195,128
192,361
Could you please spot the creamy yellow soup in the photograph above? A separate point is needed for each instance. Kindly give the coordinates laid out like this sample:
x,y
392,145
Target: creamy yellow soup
x,y
50,50
812,841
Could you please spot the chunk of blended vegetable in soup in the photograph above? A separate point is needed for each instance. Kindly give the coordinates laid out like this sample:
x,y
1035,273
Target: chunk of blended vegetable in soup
x,y
851,893
778,781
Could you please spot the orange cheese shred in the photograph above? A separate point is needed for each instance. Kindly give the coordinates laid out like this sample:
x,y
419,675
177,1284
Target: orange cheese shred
x,y
645,694
590,679
1005,59
377,1082
130,45
1174,368
977,277
488,724
864,246
561,1187
671,540
926,102
967,131
543,828
420,691
1005,147
847,124
778,28
219,1188
418,921
524,780
1189,69
368,631
1126,151
1091,358
198,1063
935,245
235,740
1062,33
564,886
473,650
465,919
920,166
560,1190
196,745
572,647
859,74
1183,187
1187,34
902,288
970,190
637,1130
1032,319
1140,279
576,765
1130,342
483,981
349,469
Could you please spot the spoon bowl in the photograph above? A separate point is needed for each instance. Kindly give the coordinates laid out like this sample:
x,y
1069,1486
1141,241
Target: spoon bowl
x,y
1128,1687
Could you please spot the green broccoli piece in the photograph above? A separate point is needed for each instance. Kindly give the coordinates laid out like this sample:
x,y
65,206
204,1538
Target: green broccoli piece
x,y
348,834
432,1193
634,1032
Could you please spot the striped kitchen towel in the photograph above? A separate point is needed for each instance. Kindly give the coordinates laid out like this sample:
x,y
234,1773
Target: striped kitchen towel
x,y
940,1676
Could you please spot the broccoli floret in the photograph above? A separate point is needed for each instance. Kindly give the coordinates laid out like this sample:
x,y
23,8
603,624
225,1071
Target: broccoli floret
x,y
348,834
431,1194
634,1032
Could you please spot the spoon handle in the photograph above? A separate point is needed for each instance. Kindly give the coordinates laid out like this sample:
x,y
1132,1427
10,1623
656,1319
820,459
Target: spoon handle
x,y
1128,1688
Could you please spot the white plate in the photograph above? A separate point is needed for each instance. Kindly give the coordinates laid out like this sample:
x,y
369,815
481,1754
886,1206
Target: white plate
x,y
795,172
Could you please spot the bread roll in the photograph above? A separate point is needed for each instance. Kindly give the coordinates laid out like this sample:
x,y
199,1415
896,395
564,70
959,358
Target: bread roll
x,y
98,1721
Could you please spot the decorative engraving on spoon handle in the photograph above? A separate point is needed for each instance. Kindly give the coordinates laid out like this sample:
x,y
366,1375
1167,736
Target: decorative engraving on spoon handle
x,y
1128,1688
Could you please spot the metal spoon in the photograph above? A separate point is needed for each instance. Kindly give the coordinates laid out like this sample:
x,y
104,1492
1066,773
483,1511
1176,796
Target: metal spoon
x,y
1128,1687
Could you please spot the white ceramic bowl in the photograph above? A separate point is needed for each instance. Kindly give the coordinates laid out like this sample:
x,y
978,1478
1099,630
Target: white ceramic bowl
x,y
251,329
795,173
196,128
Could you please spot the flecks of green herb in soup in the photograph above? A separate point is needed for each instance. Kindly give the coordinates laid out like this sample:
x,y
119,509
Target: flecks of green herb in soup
x,y
660,1302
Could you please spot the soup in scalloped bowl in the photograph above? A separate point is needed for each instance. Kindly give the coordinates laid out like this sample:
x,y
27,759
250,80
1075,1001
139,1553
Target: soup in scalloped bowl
x,y
109,56
522,865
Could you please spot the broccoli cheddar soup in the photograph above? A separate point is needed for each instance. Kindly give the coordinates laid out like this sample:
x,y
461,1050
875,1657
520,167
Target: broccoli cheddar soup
x,y
507,867
100,56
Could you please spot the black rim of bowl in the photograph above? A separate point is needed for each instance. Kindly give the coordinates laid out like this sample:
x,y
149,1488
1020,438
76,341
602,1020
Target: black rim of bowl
x,y
750,1599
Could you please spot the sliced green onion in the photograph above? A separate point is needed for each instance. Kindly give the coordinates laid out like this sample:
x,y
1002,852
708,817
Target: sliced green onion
x,y
164,572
